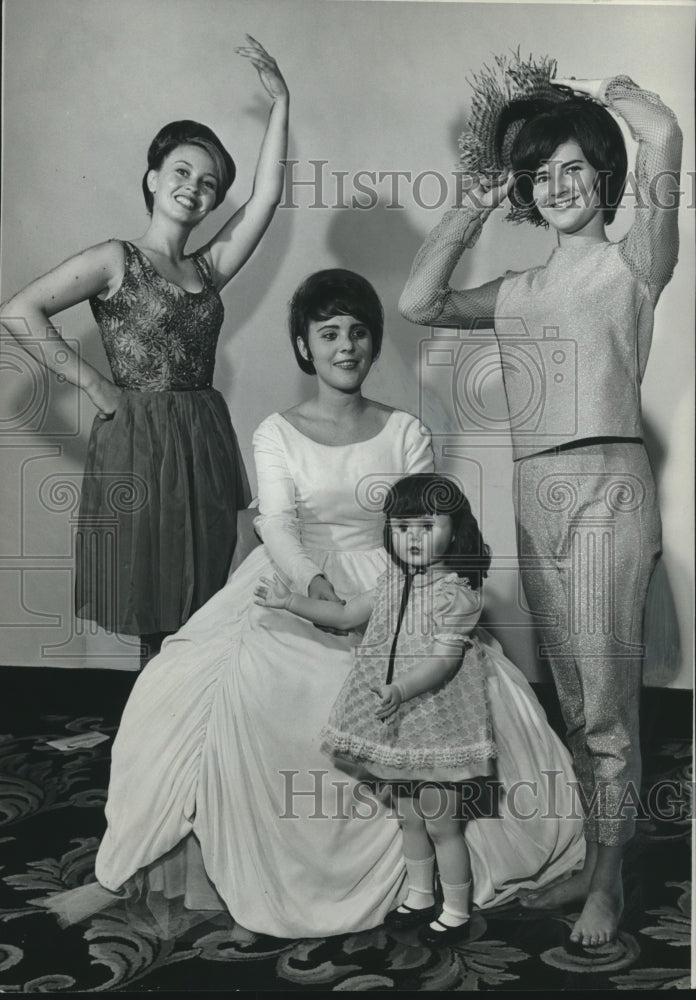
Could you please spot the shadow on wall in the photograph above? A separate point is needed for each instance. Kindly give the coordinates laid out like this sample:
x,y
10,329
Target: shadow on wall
x,y
38,406
661,625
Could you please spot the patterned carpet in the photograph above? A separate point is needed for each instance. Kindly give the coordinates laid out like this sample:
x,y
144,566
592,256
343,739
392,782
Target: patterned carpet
x,y
51,819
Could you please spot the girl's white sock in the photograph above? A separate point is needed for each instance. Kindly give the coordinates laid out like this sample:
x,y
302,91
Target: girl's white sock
x,y
420,876
457,904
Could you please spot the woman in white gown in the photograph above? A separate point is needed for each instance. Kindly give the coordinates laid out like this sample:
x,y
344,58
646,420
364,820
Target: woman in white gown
x,y
219,742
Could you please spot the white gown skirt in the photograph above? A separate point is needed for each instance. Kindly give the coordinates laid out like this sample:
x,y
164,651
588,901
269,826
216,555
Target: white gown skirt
x,y
217,756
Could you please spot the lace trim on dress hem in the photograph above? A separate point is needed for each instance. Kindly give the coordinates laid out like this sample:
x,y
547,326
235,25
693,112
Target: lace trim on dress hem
x,y
359,749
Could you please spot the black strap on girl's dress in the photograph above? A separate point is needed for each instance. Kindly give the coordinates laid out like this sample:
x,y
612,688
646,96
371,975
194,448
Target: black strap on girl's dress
x,y
402,611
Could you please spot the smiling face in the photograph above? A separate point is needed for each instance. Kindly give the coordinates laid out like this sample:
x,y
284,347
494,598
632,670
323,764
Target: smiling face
x,y
340,348
421,541
566,192
185,186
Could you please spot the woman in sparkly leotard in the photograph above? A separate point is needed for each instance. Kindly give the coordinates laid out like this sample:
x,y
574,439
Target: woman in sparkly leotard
x,y
164,477
585,499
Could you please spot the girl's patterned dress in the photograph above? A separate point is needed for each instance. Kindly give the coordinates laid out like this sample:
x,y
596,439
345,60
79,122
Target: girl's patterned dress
x,y
443,734
164,478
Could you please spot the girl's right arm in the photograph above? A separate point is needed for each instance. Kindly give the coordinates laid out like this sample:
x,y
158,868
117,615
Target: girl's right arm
x,y
27,315
427,297
274,594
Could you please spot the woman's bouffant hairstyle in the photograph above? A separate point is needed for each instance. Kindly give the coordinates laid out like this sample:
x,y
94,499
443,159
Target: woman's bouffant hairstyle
x,y
189,133
425,493
581,120
334,292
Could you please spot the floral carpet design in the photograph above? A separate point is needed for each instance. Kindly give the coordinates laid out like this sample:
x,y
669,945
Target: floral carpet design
x,y
51,820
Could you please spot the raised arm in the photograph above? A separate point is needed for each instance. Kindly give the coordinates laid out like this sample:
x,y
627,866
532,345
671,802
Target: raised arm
x,y
651,246
97,270
427,297
232,246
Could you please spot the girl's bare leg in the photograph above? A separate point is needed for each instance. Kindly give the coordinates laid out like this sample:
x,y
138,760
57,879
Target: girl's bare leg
x,y
441,809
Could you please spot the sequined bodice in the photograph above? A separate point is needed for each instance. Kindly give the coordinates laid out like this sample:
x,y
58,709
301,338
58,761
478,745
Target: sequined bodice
x,y
156,334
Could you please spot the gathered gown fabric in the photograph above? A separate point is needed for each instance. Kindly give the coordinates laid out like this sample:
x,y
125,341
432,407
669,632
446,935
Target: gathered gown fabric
x,y
222,730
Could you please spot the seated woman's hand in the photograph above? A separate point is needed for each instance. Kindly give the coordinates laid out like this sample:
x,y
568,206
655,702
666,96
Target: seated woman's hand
x,y
272,593
321,590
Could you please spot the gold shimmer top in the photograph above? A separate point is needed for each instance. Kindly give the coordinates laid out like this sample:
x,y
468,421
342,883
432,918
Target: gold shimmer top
x,y
574,333
158,336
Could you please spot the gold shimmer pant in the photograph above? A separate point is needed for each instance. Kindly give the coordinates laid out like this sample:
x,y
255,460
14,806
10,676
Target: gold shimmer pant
x,y
588,537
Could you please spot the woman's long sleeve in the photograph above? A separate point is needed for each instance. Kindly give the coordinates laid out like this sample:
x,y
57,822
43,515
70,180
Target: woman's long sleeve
x,y
651,246
277,522
418,449
427,296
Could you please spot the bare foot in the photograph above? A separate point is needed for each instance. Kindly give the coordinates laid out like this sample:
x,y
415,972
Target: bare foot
x,y
242,936
599,920
570,891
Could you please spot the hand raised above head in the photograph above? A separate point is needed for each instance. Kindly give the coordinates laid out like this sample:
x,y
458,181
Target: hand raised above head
x,y
583,88
267,67
486,191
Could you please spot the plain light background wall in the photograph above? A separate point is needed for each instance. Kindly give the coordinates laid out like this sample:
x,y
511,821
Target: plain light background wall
x,y
376,86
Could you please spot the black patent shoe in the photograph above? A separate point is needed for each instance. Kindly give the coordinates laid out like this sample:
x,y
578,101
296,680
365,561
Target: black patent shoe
x,y
449,935
414,917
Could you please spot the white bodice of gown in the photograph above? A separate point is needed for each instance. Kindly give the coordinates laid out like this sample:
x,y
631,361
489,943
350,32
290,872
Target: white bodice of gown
x,y
316,498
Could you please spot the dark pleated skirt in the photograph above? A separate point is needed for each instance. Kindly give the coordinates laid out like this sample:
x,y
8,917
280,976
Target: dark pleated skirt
x,y
158,513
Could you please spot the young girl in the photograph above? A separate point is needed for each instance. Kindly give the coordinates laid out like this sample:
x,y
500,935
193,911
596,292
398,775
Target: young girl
x,y
162,458
414,709
585,504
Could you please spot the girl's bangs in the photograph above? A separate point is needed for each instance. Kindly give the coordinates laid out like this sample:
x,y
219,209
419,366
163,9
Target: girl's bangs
x,y
338,305
414,498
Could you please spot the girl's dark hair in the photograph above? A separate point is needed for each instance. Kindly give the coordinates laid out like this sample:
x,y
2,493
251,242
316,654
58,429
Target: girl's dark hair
x,y
334,292
581,120
431,493
189,133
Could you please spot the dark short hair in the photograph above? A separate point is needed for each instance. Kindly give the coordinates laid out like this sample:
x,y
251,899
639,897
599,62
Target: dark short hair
x,y
595,131
189,133
432,493
334,292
